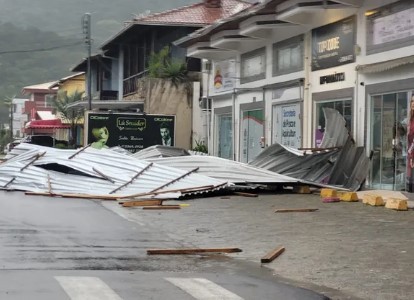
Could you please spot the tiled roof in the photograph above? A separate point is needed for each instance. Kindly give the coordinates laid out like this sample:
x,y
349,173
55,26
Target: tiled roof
x,y
196,14
43,87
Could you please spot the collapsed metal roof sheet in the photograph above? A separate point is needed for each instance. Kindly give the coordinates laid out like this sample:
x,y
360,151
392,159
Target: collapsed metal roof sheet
x,y
96,172
160,151
312,167
336,133
224,169
338,162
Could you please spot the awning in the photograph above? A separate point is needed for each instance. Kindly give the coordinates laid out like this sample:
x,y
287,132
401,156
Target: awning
x,y
37,124
385,65
46,115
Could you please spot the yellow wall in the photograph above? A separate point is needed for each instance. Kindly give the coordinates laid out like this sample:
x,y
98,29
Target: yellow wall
x,y
73,84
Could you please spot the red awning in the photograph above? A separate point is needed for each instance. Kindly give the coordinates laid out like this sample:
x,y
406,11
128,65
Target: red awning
x,y
56,123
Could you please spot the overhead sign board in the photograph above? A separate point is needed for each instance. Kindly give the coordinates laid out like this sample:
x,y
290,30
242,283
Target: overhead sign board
x,y
132,132
333,44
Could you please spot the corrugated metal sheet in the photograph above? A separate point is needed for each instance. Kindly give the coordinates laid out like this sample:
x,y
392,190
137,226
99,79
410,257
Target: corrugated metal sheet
x,y
336,133
160,151
345,167
310,167
95,172
224,169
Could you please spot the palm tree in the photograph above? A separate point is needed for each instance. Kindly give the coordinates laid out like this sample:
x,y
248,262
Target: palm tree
x,y
72,115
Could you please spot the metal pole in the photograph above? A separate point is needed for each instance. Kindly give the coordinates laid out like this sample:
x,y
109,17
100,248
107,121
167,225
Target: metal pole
x,y
11,119
86,24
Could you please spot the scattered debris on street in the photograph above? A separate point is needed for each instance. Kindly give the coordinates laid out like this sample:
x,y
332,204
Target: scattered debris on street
x,y
288,210
269,257
191,251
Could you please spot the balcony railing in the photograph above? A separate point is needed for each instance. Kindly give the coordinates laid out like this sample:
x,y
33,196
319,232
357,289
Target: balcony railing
x,y
131,83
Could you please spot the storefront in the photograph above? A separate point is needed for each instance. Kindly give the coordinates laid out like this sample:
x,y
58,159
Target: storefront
x,y
333,78
341,100
222,86
224,132
388,107
286,116
251,130
389,86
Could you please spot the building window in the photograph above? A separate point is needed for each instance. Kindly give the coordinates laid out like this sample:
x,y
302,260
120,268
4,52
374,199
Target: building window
x,y
253,65
288,56
49,100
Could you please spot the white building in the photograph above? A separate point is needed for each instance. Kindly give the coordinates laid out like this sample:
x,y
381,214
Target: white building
x,y
19,118
276,65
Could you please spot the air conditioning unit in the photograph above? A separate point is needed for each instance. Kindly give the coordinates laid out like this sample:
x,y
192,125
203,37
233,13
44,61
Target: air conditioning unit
x,y
207,65
205,103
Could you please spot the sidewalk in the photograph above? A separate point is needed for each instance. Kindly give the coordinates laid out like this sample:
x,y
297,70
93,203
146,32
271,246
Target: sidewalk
x,y
345,250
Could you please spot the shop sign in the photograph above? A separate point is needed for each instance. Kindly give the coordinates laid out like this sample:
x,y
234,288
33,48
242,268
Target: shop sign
x,y
332,78
393,27
290,125
132,132
333,44
224,75
287,125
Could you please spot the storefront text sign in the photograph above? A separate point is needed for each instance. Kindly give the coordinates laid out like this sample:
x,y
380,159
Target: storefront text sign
x,y
332,78
333,44
290,124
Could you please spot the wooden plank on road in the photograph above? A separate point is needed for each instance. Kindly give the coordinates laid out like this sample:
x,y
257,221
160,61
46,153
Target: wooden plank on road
x,y
162,207
272,255
191,251
140,203
286,210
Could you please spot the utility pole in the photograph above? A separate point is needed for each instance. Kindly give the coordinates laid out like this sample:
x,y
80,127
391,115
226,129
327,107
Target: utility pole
x,y
86,26
11,119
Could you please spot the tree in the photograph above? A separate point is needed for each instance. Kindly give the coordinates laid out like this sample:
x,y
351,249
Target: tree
x,y
161,65
72,115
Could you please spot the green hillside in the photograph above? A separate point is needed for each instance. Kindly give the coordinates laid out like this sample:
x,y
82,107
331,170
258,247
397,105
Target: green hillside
x,y
40,40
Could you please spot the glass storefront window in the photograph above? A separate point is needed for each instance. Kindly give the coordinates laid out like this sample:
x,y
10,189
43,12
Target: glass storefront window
x,y
388,141
345,109
225,136
286,125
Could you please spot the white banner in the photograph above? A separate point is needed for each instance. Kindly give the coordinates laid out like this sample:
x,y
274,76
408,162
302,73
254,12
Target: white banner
x,y
224,76
393,27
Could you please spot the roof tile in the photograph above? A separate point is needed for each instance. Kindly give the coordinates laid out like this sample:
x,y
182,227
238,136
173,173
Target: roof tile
x,y
197,14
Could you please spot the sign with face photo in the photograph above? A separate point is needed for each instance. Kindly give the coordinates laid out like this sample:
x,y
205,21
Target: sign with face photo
x,y
129,131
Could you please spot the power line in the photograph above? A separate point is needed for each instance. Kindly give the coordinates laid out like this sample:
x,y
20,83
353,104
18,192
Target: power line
x,y
40,49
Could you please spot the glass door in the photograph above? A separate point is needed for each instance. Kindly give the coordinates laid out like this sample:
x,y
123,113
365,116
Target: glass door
x,y
252,133
225,136
389,140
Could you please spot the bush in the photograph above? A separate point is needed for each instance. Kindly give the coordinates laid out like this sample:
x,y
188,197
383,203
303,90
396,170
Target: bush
x,y
200,147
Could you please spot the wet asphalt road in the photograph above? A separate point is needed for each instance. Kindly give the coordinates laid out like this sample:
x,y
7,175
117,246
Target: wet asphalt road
x,y
56,248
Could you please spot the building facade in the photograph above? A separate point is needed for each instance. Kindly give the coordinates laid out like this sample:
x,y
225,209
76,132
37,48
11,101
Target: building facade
x,y
19,119
274,67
